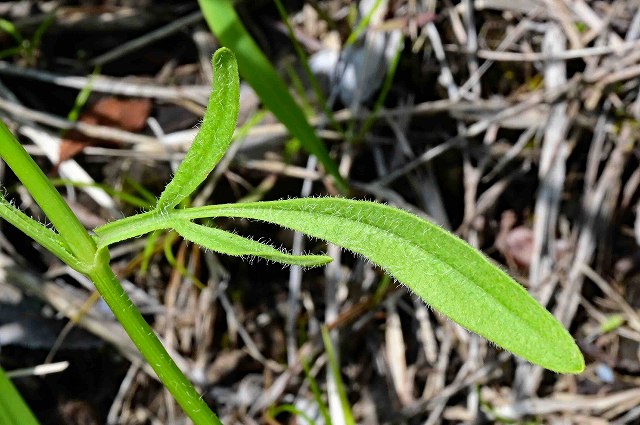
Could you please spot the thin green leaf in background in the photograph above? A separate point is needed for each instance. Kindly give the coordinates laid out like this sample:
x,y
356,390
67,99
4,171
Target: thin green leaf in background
x,y
334,368
13,409
258,71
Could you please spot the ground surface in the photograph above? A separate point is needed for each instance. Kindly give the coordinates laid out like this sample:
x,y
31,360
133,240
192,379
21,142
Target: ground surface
x,y
513,124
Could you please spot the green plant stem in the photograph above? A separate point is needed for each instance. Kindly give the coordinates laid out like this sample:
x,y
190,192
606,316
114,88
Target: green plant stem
x,y
148,343
63,219
95,264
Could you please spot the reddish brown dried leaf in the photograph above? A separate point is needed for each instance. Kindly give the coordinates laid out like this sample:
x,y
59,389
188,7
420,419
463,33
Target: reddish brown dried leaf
x,y
125,114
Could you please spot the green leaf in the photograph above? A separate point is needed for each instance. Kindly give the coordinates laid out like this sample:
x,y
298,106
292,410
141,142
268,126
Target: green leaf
x,y
11,29
258,71
334,366
443,270
215,135
45,236
13,409
231,244
69,228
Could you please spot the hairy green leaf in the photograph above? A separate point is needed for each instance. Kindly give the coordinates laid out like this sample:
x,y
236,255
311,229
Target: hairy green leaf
x,y
258,71
215,135
231,244
38,232
443,270
70,230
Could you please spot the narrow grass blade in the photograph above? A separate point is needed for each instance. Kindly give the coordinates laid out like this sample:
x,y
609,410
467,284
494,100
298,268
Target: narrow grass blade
x,y
179,265
83,97
11,29
228,243
258,71
334,367
215,135
315,390
304,61
274,411
362,25
130,199
386,87
443,270
13,409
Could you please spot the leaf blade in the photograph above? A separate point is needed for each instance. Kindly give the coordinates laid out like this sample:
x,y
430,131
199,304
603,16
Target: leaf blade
x,y
258,71
215,135
224,242
443,270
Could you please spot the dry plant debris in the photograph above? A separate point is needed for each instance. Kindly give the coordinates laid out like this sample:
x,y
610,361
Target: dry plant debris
x,y
513,123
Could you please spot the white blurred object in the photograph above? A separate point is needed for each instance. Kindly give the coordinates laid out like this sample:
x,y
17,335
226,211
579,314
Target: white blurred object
x,y
359,70
605,373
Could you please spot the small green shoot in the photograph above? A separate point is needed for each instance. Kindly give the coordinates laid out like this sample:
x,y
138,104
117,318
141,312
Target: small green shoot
x,y
304,60
317,396
362,25
612,323
440,268
334,368
26,49
274,411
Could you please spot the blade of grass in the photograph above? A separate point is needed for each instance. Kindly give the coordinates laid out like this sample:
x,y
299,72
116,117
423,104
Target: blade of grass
x,y
315,390
82,97
332,362
386,86
274,411
362,25
41,30
178,266
256,69
10,28
304,60
146,194
149,249
13,409
130,199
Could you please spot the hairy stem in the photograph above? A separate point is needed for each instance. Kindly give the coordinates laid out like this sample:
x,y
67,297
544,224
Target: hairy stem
x,y
148,343
58,212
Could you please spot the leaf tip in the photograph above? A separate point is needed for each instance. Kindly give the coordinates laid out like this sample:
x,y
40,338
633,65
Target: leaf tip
x,y
575,365
568,360
222,54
